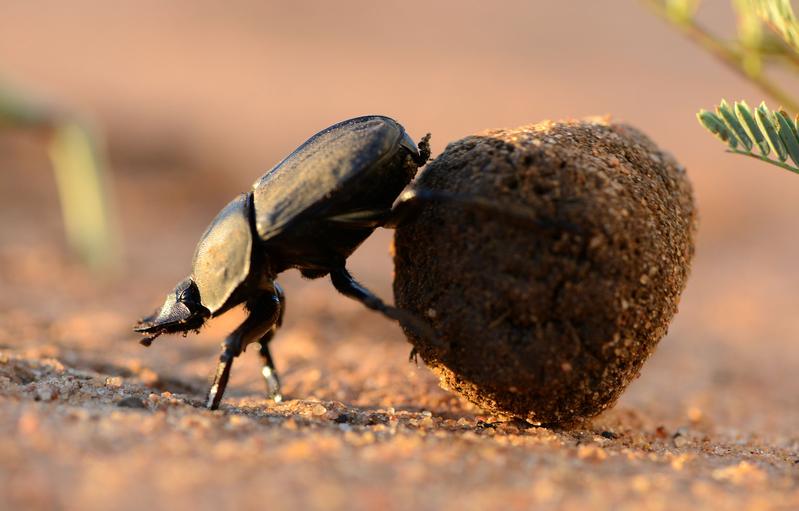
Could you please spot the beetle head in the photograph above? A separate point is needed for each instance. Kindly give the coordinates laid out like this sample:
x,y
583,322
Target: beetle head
x,y
182,311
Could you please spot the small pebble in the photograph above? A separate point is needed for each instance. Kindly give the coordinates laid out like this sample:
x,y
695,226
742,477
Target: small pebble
x,y
743,474
680,438
45,392
342,418
131,402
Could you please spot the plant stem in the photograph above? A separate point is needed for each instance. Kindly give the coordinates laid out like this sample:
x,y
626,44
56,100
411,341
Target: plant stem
x,y
722,51
766,159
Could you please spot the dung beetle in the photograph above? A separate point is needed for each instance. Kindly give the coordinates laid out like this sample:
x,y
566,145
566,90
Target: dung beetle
x,y
309,212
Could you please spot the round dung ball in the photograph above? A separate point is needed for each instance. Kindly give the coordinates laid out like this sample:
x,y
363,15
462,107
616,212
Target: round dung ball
x,y
553,273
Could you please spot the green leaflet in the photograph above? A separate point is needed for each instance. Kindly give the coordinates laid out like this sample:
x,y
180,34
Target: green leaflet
x,y
790,124
788,136
745,116
767,125
732,122
716,126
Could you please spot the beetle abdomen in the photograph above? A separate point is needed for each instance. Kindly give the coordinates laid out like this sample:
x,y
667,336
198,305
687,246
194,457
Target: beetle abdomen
x,y
359,165
319,169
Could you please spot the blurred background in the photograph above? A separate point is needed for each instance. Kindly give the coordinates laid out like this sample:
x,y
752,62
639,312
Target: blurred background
x,y
194,100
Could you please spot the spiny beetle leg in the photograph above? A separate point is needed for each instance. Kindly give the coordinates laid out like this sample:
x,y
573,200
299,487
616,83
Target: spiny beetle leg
x,y
424,151
410,204
414,356
348,286
268,370
221,377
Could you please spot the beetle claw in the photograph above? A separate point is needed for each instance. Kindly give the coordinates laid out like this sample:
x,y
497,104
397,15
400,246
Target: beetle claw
x,y
424,150
414,356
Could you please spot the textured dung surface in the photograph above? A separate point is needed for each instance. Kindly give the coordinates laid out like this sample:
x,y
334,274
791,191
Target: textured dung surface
x,y
551,321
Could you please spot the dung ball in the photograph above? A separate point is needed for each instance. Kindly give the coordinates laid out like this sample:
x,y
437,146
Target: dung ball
x,y
554,272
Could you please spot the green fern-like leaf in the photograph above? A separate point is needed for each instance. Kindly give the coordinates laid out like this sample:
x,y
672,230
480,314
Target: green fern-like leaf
x,y
773,134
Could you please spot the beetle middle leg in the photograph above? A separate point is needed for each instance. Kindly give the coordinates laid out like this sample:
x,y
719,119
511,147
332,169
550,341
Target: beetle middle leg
x,y
268,370
264,315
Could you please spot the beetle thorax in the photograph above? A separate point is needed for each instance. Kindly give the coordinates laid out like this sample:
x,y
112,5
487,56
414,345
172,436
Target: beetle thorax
x,y
223,258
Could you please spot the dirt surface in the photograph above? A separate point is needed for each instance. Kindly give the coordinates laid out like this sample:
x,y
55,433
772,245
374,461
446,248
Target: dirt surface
x,y
197,99
550,313
92,420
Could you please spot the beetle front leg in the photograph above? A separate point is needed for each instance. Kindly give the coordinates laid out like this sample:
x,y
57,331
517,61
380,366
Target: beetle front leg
x,y
264,314
217,390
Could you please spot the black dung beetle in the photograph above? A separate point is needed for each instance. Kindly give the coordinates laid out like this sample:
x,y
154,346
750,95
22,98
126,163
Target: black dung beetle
x,y
310,212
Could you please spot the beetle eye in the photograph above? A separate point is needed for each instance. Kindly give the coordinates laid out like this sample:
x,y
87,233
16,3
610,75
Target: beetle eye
x,y
185,296
188,294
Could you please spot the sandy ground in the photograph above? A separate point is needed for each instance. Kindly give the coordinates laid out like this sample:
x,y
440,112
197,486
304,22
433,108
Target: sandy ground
x,y
92,420
197,99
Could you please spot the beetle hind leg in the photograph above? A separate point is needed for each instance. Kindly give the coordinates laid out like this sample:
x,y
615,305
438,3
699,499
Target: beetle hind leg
x,y
268,370
348,286
269,373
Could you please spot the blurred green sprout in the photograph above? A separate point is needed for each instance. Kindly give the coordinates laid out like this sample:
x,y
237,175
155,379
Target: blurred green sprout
x,y
79,167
